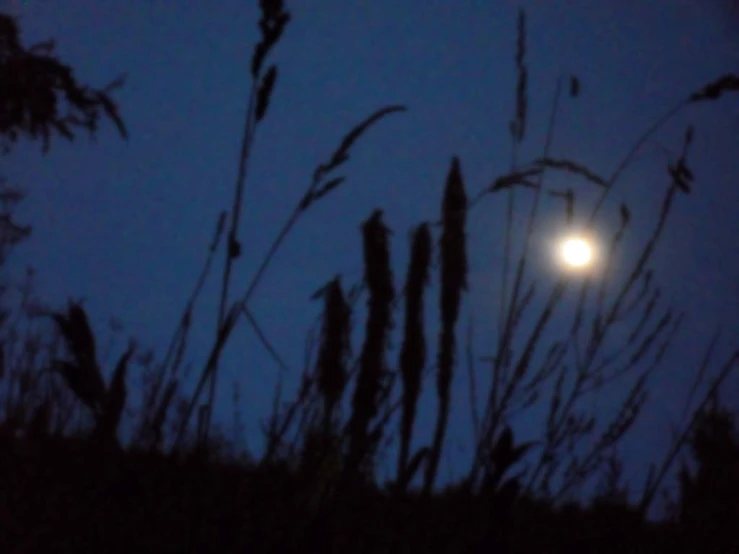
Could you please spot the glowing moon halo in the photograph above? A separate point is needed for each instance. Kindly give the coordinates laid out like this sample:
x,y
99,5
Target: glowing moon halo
x,y
576,252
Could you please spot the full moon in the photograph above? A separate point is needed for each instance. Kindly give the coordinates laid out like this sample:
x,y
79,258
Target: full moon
x,y
576,252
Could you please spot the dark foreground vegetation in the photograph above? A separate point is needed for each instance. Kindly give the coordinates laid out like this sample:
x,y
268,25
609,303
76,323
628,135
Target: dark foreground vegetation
x,y
61,495
69,483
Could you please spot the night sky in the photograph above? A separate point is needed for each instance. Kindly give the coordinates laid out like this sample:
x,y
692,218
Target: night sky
x,y
127,225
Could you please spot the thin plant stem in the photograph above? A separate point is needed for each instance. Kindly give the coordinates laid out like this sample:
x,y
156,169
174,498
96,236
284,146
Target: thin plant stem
x,y
232,246
652,487
656,126
491,419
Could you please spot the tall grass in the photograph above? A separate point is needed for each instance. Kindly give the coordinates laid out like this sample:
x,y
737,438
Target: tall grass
x,y
332,455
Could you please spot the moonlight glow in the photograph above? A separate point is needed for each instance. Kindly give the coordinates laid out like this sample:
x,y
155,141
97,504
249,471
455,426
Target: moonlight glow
x,y
576,252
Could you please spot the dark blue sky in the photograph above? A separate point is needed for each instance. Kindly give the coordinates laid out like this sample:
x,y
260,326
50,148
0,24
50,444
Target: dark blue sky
x,y
127,224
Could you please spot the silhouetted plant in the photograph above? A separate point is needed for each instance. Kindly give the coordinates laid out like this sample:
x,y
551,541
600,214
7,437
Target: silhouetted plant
x,y
11,232
305,493
373,380
453,261
334,352
34,82
517,379
82,372
708,505
413,348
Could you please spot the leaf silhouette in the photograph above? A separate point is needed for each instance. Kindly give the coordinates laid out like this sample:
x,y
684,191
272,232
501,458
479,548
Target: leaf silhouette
x,y
265,92
714,90
342,152
574,86
75,330
504,446
111,110
625,215
63,129
505,455
574,168
116,398
311,196
260,52
83,374
81,387
161,413
517,178
414,465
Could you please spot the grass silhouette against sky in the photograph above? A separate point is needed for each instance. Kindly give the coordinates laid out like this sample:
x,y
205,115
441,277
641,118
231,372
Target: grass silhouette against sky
x,y
127,225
